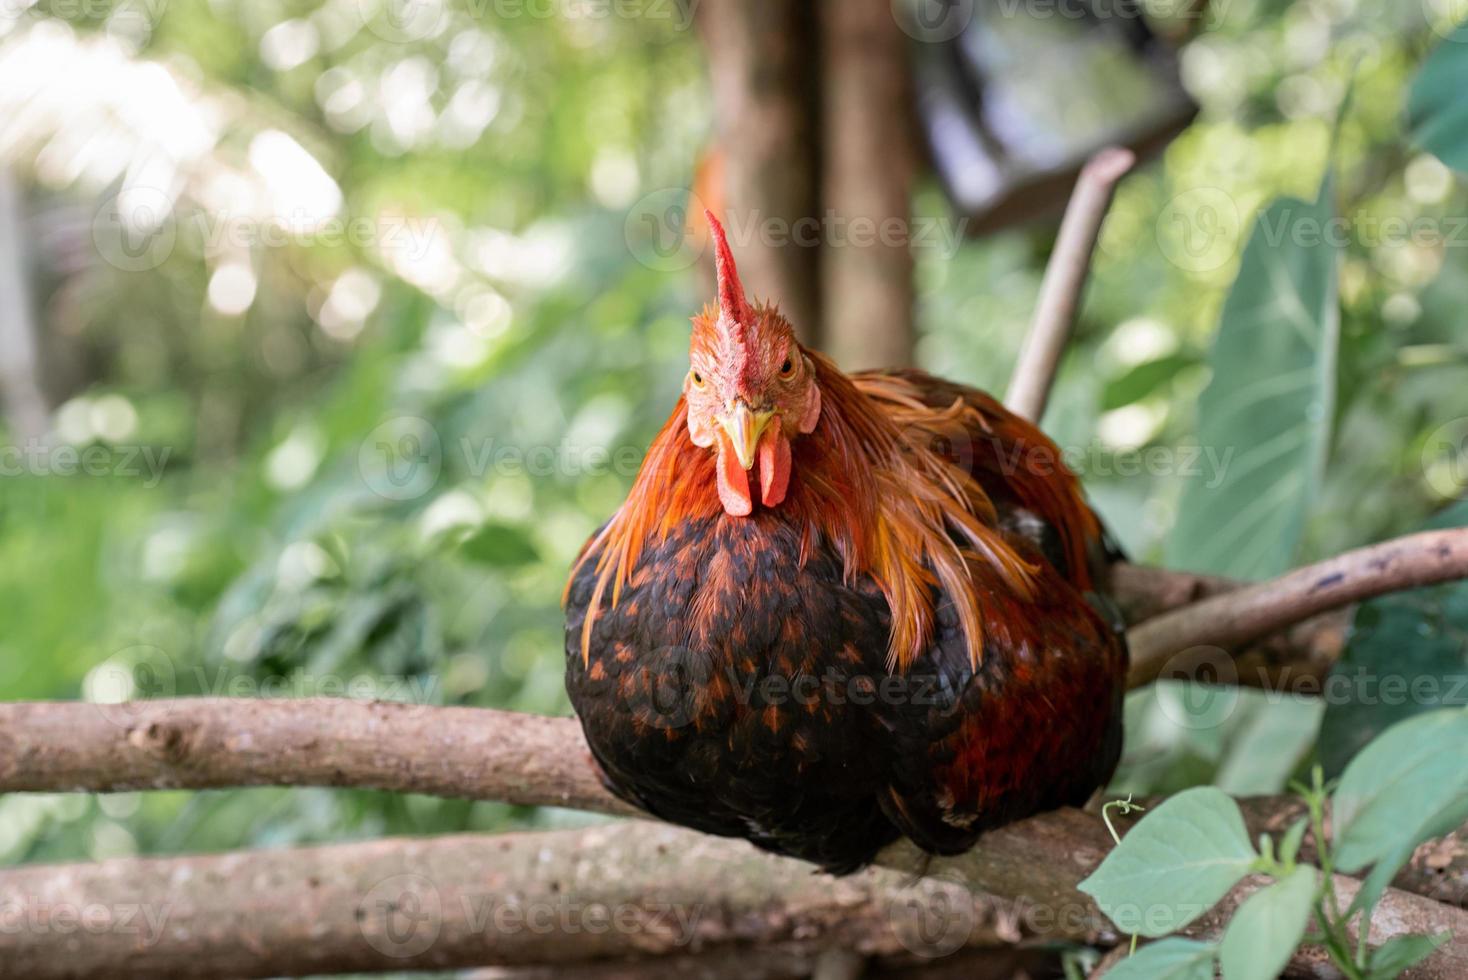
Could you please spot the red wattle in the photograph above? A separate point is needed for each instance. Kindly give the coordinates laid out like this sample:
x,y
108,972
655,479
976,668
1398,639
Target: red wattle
x,y
774,465
733,481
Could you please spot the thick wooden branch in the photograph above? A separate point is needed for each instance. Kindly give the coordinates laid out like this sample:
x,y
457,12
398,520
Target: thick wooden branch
x,y
1064,283
1296,659
1245,614
214,743
630,889
485,754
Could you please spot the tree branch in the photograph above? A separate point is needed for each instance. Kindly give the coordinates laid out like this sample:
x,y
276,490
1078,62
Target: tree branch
x,y
1248,613
216,743
1065,281
629,889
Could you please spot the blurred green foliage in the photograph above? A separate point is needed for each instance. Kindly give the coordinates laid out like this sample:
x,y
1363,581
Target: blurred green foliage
x,y
381,463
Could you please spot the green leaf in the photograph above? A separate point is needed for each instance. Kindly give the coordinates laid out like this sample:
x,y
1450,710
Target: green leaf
x,y
1289,846
1174,865
1397,792
1406,653
1402,953
1170,959
1437,114
1268,927
499,545
1267,410
1143,379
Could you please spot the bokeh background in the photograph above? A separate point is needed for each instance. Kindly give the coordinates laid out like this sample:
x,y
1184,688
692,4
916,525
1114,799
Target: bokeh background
x,y
328,335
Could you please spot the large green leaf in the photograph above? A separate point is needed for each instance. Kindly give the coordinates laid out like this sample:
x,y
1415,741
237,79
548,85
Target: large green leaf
x,y
1267,928
1170,959
1267,409
1437,113
1406,653
1175,864
1397,791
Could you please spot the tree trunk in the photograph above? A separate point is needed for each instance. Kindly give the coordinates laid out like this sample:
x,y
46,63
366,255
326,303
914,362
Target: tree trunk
x,y
762,65
867,175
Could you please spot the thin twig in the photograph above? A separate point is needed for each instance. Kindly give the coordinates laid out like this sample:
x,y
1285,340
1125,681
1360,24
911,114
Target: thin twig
x,y
1065,281
1245,614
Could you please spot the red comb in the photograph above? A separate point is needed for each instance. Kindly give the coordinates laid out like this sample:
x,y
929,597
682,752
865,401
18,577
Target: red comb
x,y
731,292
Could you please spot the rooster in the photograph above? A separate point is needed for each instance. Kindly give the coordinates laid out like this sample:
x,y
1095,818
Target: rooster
x,y
835,609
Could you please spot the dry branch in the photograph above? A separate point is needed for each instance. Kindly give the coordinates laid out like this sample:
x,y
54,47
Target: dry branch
x,y
214,743
1031,868
1065,280
1248,613
630,889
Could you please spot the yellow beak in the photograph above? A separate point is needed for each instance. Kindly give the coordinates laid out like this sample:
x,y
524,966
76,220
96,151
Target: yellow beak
x,y
745,428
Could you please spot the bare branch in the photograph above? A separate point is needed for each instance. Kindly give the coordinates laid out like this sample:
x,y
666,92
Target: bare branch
x,y
1065,281
1297,659
211,743
629,889
1248,613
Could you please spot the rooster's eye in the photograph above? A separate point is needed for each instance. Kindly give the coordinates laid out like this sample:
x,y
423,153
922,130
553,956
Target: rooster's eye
x,y
787,369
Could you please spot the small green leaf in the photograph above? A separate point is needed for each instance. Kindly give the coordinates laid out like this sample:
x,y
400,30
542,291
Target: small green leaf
x,y
1437,114
1289,845
499,545
1399,954
1143,379
1170,959
1396,792
1268,927
1175,864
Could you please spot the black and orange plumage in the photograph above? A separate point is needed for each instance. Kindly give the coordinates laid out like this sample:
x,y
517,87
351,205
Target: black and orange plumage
x,y
835,609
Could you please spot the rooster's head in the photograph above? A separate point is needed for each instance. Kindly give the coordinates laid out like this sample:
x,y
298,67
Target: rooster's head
x,y
751,388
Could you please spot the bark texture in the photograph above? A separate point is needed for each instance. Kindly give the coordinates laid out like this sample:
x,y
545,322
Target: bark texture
x,y
869,160
762,69
627,890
